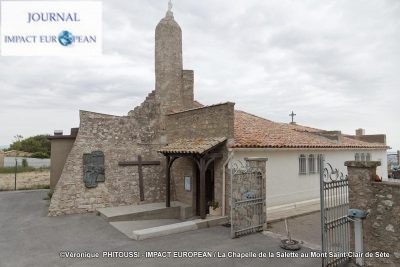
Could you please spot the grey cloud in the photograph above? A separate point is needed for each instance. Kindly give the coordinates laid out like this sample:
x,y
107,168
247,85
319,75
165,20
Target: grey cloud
x,y
335,64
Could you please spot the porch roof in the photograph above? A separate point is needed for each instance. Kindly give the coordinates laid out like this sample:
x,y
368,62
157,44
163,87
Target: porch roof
x,y
192,146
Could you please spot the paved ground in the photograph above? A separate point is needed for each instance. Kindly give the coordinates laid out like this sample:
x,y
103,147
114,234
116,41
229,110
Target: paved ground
x,y
305,228
29,238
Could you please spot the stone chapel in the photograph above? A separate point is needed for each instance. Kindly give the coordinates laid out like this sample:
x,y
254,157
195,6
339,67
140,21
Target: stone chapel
x,y
172,148
168,148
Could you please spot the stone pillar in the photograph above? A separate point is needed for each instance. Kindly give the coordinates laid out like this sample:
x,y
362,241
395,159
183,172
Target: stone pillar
x,y
188,85
381,229
168,64
1,159
361,174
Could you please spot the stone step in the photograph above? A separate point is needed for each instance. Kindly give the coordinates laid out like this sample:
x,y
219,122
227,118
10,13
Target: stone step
x,y
177,228
150,211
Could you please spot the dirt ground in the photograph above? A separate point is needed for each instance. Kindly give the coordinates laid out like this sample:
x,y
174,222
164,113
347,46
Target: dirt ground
x,y
25,180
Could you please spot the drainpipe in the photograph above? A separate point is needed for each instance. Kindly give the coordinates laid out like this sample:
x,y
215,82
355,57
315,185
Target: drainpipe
x,y
230,155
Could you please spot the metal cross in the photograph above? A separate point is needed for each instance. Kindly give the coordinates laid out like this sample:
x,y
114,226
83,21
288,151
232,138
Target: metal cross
x,y
292,115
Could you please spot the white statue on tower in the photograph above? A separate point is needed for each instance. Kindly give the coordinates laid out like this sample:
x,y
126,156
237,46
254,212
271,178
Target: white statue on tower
x,y
169,12
170,6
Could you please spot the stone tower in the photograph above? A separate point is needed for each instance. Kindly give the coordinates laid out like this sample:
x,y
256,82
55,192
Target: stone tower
x,y
174,86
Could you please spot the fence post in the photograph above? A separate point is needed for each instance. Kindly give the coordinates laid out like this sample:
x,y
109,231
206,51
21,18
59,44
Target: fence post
x,y
15,177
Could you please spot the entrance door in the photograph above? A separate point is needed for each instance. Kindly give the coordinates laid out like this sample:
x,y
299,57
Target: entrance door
x,y
209,187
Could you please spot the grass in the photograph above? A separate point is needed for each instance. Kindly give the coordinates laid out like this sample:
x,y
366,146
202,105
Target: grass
x,y
22,169
49,196
33,187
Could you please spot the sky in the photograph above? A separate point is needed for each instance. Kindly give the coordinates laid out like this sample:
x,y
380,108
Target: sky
x,y
336,64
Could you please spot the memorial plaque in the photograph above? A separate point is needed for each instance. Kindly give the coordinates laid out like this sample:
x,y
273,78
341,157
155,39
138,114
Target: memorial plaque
x,y
93,168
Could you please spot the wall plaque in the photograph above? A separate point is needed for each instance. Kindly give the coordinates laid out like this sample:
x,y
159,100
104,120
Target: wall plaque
x,y
93,168
188,183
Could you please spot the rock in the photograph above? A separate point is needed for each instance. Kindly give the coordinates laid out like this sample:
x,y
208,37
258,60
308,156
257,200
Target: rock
x,y
389,228
388,203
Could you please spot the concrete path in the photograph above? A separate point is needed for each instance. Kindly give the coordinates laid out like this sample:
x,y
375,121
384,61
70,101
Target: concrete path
x,y
278,214
306,228
29,238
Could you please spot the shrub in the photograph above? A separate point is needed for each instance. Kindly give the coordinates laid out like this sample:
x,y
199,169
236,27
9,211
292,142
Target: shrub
x,y
40,155
19,169
24,163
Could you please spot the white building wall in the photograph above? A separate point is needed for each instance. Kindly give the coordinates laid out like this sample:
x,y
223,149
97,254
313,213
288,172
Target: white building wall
x,y
285,186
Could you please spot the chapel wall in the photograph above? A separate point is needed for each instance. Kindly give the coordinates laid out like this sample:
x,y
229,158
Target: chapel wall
x,y
120,139
182,167
210,121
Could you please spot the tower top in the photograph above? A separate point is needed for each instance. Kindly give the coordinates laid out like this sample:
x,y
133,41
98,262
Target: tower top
x,y
169,12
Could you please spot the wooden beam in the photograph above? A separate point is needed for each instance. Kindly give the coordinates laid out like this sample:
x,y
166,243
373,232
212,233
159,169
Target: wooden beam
x,y
136,163
140,170
167,182
140,165
202,188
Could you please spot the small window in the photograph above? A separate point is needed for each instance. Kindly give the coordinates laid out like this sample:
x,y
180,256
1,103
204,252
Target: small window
x,y
368,157
302,164
357,157
311,163
362,157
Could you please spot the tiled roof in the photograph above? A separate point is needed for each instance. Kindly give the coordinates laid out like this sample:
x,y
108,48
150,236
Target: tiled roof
x,y
192,146
255,132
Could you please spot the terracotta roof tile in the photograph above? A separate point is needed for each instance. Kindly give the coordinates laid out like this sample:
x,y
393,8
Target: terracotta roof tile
x,y
192,146
255,132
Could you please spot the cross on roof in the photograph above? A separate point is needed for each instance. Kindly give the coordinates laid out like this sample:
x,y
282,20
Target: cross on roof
x,y
292,115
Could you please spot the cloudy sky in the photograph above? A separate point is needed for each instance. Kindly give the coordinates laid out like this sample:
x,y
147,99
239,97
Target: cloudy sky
x,y
335,63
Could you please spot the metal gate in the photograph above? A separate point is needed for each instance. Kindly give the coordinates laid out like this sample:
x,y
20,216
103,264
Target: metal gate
x,y
248,212
335,224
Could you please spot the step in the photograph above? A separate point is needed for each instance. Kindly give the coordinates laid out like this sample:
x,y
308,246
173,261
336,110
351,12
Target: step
x,y
176,228
150,211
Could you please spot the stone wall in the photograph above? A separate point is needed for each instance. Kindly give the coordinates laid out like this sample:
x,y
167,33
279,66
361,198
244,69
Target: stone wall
x,y
371,138
381,228
182,167
121,139
188,88
210,121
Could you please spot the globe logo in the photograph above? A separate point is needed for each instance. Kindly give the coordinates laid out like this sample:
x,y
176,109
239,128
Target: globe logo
x,y
65,38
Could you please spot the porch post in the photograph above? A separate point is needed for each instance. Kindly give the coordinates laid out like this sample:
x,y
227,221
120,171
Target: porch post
x,y
202,188
167,182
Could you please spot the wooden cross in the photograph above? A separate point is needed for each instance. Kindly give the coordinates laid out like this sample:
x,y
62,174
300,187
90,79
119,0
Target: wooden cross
x,y
292,115
140,164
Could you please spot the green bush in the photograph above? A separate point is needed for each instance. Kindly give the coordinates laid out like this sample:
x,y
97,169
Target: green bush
x,y
19,169
40,155
34,144
24,163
